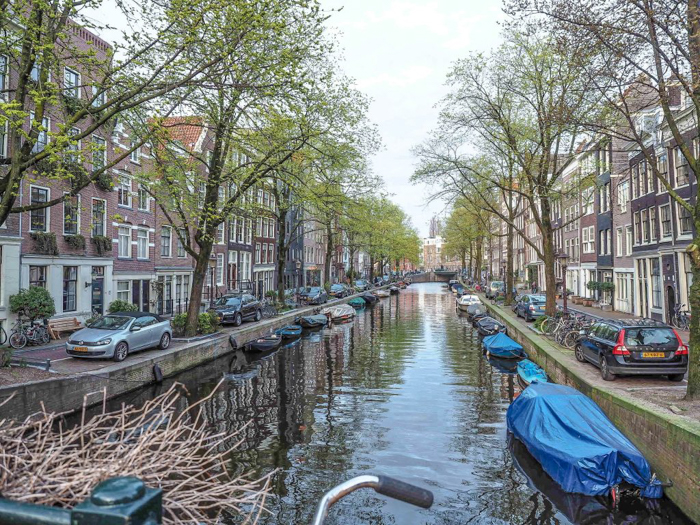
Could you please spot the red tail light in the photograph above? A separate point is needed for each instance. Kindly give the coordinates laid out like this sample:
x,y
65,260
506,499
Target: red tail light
x,y
532,308
620,348
682,349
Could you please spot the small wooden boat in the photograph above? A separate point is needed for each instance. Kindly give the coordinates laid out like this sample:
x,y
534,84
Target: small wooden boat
x,y
265,344
290,331
500,345
489,326
402,285
312,321
465,301
357,302
529,372
369,297
576,444
339,313
475,310
382,294
504,366
393,289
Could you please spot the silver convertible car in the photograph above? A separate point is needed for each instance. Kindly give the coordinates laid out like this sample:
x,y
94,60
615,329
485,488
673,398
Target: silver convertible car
x,y
116,335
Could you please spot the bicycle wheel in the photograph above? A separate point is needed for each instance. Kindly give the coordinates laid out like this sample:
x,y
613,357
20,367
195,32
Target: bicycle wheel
x,y
18,340
571,339
683,322
3,336
44,335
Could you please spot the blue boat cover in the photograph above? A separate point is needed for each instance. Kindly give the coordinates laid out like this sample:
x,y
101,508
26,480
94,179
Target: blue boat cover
x,y
576,444
501,345
530,371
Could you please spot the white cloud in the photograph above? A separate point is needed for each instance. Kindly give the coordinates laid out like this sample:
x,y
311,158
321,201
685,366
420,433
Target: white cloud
x,y
406,77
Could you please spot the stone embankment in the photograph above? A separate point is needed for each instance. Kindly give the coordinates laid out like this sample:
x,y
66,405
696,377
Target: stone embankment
x,y
670,442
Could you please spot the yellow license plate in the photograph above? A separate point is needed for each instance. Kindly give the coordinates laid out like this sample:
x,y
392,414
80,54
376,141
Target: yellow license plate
x,y
80,349
653,354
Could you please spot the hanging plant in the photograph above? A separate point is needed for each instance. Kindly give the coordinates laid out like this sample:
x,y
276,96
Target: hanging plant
x,y
103,244
45,243
77,242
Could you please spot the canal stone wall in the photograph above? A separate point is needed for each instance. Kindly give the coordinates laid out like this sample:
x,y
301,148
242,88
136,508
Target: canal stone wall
x,y
71,393
670,443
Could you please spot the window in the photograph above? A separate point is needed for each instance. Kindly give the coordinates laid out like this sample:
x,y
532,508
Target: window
x,y
682,171
618,242
259,228
219,269
3,139
271,228
42,138
135,155
74,145
144,200
642,178
70,286
180,245
662,166
635,181
628,240
588,240
645,225
71,215
71,83
39,219
37,276
3,76
649,176
124,191
165,241
685,221
239,229
604,198
99,209
124,240
652,223
608,241
124,291
601,242
637,228
264,254
221,233
587,201
201,196
99,153
665,215
271,253
142,243
623,195
249,231
232,229
655,283
98,97
257,254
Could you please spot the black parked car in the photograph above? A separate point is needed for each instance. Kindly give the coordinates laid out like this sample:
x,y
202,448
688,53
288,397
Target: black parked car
x,y
635,346
236,308
339,291
314,295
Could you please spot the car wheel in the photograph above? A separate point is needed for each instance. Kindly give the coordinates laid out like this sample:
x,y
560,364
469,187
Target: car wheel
x,y
237,319
121,351
164,341
676,378
605,372
578,352
258,315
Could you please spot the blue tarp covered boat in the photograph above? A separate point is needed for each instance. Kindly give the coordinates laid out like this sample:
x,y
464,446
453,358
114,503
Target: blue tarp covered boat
x,y
576,444
312,321
289,332
529,372
500,345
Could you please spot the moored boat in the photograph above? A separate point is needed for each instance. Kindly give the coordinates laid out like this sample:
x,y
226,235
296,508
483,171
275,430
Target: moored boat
x,y
338,313
289,332
393,289
576,444
529,371
489,326
369,297
500,345
357,302
467,300
382,294
265,344
312,321
475,310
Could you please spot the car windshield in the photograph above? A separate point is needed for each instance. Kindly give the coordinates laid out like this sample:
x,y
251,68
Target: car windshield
x,y
359,283
314,290
649,336
496,284
228,301
336,287
538,299
111,322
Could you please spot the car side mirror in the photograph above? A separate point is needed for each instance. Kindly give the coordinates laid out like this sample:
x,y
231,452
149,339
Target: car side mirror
x,y
135,329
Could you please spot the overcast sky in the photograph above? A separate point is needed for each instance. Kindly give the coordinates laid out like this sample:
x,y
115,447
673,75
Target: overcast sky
x,y
399,52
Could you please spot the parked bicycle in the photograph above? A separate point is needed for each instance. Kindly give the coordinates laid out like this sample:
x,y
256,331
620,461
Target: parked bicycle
x,y
32,332
384,485
680,318
269,309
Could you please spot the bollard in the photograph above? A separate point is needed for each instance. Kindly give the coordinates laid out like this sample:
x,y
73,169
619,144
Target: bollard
x,y
120,501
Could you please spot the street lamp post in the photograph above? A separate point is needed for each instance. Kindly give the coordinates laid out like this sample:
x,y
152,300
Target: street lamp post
x,y
563,257
212,269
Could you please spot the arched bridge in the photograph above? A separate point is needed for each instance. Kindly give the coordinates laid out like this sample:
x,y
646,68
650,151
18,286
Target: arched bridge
x,y
438,276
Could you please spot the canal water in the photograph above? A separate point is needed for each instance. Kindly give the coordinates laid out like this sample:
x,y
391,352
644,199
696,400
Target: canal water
x,y
402,390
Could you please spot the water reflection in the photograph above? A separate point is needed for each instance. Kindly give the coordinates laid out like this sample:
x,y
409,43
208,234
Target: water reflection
x,y
403,390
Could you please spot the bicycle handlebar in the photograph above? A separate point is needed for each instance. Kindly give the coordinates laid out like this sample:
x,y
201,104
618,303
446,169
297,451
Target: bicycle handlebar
x,y
384,485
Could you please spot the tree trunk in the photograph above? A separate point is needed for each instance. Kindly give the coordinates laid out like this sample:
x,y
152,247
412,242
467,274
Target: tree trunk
x,y
693,392
477,263
371,268
330,248
463,254
509,265
471,262
200,273
550,278
282,248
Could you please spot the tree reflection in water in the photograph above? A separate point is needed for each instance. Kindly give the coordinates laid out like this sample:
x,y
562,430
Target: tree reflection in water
x,y
403,390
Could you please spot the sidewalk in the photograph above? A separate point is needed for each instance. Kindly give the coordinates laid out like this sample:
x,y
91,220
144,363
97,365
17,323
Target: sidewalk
x,y
601,314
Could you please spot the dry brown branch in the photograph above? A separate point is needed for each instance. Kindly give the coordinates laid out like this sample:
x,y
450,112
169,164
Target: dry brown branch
x,y
165,442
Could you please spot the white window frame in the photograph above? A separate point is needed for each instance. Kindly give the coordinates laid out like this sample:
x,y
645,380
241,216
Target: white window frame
x,y
258,255
618,242
135,155
142,190
221,233
121,190
46,123
249,231
629,239
220,269
662,208
139,239
181,252
77,225
98,99
170,242
99,147
3,76
72,89
92,216
127,291
47,210
124,254
682,235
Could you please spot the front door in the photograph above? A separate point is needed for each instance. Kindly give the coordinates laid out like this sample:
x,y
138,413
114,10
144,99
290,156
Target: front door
x,y
670,303
97,296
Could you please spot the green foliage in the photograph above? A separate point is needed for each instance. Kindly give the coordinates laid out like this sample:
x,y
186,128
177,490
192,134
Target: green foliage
x,y
33,303
76,242
593,285
178,323
271,293
105,181
45,243
6,353
122,306
538,322
606,287
207,323
103,244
